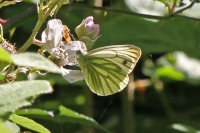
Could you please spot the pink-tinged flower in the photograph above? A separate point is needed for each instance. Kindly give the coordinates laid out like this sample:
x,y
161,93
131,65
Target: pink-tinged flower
x,y
88,32
88,28
62,53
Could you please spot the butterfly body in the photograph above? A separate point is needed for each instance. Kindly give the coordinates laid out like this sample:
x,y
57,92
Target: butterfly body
x,y
108,67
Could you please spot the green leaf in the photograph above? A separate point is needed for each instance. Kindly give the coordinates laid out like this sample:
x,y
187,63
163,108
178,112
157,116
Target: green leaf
x,y
7,2
80,29
88,42
4,66
172,66
4,55
67,115
12,126
18,94
4,128
184,128
34,113
28,123
151,37
64,115
169,73
2,77
35,60
22,74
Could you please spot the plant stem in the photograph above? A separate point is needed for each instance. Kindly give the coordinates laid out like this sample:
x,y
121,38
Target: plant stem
x,y
172,9
41,19
30,40
191,4
9,71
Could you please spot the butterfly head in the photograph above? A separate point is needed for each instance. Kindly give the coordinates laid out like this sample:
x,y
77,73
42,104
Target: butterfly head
x,y
81,57
80,54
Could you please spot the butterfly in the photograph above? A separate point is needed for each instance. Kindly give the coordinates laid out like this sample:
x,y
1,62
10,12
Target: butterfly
x,y
107,68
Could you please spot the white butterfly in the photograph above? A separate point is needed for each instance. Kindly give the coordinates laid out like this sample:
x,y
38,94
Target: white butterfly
x,y
107,68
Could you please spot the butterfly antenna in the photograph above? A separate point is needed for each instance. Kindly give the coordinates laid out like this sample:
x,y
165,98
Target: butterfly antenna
x,y
103,112
72,37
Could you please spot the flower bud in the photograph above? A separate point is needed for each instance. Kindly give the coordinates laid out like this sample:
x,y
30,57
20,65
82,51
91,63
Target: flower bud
x,y
91,29
22,74
88,32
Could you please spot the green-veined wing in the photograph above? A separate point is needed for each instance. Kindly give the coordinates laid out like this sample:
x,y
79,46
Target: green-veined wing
x,y
108,67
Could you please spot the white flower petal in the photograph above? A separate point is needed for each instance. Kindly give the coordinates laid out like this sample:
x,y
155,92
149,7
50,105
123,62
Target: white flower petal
x,y
55,52
72,75
52,35
75,45
71,58
71,48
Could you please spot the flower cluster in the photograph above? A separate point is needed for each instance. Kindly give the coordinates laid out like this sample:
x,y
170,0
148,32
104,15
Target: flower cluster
x,y
57,42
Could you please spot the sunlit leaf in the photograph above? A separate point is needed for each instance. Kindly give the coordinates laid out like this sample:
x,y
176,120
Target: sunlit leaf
x,y
4,56
12,126
169,73
184,128
18,94
28,123
34,113
35,60
6,3
2,77
64,115
4,128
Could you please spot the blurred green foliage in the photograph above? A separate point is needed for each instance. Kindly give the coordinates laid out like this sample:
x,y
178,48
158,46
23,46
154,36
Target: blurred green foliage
x,y
174,110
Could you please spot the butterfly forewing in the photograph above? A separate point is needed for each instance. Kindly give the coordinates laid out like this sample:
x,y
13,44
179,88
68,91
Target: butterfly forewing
x,y
108,67
118,54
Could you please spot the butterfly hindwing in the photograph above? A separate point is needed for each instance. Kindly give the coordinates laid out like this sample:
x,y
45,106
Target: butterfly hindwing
x,y
108,67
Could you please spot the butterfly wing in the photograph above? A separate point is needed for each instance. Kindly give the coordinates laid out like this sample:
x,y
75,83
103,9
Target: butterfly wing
x,y
108,67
